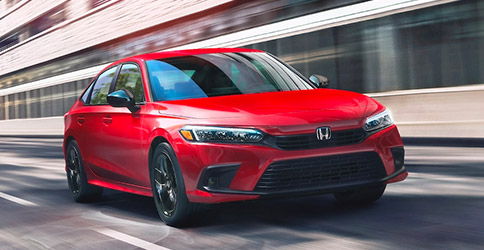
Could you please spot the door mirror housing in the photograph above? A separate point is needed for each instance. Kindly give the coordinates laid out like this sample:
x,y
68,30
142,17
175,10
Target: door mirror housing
x,y
123,98
319,80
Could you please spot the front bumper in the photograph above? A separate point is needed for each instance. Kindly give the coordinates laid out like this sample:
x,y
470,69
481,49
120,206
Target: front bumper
x,y
315,190
216,173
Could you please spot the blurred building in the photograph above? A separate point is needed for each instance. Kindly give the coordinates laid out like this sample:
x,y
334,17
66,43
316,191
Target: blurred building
x,y
50,50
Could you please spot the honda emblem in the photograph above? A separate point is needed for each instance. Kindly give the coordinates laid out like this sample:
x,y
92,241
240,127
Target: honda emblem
x,y
323,133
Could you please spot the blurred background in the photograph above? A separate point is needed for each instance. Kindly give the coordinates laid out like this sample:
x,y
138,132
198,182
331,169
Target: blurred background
x,y
424,59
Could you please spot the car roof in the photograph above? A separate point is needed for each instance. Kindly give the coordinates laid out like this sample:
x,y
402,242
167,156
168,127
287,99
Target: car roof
x,y
175,53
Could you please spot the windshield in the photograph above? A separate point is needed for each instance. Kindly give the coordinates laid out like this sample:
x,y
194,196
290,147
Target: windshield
x,y
220,74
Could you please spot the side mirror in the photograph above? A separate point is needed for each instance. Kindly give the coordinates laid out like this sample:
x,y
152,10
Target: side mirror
x,y
123,98
320,81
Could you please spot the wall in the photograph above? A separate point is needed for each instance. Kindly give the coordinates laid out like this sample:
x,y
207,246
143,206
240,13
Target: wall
x,y
445,112
438,113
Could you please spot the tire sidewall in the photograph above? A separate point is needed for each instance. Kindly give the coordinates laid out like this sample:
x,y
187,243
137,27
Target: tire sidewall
x,y
182,202
87,192
82,185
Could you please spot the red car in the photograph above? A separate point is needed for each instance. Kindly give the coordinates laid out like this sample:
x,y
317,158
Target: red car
x,y
220,125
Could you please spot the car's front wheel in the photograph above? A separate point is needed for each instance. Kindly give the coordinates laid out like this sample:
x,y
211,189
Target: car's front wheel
x,y
364,195
76,176
168,188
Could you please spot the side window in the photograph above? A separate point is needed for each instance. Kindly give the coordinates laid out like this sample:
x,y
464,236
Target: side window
x,y
101,88
129,78
86,93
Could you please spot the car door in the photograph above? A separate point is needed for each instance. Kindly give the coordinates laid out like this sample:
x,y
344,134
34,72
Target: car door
x,y
122,131
89,119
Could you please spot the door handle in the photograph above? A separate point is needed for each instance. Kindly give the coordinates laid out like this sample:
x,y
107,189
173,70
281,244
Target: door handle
x,y
81,119
107,120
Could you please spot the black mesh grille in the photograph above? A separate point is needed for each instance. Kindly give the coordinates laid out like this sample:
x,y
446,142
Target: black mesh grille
x,y
309,141
321,172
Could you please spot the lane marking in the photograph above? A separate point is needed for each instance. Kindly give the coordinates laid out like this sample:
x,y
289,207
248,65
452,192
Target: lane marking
x,y
17,200
129,239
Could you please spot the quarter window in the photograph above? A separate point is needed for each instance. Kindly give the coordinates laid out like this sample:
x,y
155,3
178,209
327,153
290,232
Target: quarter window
x,y
129,78
101,87
84,97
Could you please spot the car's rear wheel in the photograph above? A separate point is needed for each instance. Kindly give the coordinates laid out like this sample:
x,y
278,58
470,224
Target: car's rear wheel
x,y
76,176
168,187
364,195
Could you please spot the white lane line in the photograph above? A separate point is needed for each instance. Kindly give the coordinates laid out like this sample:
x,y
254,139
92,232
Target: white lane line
x,y
129,239
17,200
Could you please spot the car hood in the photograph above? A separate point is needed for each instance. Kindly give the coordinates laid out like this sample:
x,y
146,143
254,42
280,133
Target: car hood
x,y
318,106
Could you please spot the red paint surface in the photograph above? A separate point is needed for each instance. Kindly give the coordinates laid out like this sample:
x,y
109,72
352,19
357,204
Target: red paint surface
x,y
115,143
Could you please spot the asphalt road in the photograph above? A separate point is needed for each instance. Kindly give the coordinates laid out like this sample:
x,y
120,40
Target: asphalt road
x,y
439,206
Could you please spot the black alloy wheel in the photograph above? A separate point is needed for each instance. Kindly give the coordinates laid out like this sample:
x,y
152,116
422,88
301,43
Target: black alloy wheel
x,y
165,183
73,170
76,177
168,187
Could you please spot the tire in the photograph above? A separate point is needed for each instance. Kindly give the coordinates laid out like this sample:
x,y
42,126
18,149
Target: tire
x,y
76,177
362,196
169,189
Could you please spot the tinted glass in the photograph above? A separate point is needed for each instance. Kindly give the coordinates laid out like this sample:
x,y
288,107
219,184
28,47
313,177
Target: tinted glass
x,y
130,79
35,103
101,87
209,75
11,106
2,108
21,104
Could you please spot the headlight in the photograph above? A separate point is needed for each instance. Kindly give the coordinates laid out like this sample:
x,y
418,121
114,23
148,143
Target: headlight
x,y
378,121
220,134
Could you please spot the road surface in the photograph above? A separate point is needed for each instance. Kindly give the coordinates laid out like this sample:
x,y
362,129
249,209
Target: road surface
x,y
439,206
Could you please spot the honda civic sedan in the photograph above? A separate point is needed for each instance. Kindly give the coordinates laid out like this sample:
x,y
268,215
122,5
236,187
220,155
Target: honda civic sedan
x,y
221,125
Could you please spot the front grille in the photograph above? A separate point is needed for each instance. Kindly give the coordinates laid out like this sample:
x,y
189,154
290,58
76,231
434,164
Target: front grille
x,y
321,172
309,141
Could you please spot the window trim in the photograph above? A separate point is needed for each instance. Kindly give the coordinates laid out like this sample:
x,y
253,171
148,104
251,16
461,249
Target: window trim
x,y
148,77
113,84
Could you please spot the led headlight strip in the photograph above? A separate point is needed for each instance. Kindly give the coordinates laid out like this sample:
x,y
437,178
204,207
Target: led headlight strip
x,y
220,134
379,121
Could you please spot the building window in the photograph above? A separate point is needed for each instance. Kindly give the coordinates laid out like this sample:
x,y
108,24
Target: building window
x,y
48,20
96,3
11,3
40,24
9,41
